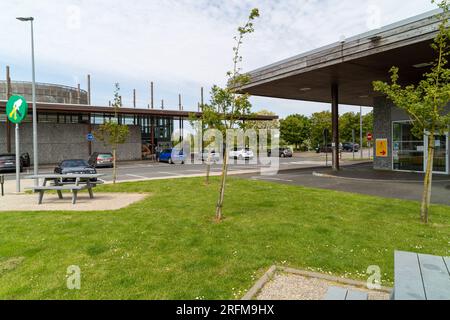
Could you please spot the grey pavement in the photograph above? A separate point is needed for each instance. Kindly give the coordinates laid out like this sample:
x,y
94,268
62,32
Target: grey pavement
x,y
362,179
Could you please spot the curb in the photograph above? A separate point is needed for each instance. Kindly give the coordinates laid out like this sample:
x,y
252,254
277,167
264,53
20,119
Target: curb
x,y
324,175
268,276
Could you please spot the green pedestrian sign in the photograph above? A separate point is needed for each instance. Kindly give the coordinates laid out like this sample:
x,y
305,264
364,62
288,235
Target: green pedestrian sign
x,y
16,109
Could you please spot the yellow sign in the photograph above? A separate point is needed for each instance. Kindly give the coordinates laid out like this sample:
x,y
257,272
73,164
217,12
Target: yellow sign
x,y
382,148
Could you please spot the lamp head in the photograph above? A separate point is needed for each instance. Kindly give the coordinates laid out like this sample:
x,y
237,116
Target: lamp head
x,y
25,18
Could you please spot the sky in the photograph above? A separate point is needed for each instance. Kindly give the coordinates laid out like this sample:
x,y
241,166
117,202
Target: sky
x,y
180,45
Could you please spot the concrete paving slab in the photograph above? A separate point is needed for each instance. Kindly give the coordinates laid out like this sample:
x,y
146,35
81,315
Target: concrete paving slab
x,y
101,202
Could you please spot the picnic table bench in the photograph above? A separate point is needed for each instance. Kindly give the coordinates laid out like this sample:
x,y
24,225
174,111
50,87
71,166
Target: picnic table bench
x,y
337,293
60,183
421,277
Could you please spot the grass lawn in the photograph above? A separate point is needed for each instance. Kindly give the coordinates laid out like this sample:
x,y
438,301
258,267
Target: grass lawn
x,y
168,247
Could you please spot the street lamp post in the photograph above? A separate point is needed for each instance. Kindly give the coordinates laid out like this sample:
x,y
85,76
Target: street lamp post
x,y
33,92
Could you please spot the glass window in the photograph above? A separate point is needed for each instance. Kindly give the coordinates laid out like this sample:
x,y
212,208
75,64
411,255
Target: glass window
x,y
408,150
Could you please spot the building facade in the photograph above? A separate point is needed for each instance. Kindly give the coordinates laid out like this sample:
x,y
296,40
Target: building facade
x,y
63,127
407,152
343,73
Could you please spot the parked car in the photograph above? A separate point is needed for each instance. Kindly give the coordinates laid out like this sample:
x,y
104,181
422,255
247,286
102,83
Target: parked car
x,y
326,149
285,153
75,166
242,153
212,155
172,156
348,147
101,160
8,163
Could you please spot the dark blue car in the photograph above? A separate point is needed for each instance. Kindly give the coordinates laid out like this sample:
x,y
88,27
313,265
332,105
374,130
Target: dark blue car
x,y
172,156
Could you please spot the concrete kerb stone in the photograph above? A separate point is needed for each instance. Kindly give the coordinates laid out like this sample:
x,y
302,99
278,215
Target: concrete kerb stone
x,y
268,276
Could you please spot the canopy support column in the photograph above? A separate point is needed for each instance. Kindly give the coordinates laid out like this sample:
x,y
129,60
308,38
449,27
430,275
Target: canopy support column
x,y
335,125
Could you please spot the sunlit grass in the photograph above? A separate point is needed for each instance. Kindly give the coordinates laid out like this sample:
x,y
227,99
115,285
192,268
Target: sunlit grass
x,y
168,246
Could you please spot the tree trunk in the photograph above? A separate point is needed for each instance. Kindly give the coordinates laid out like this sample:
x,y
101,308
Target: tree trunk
x,y
426,199
219,207
114,166
208,169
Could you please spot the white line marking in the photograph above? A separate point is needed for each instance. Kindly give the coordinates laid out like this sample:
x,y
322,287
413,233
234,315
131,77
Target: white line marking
x,y
170,173
272,179
136,176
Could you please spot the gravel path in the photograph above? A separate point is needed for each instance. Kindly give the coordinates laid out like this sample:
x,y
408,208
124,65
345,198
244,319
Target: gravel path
x,y
295,287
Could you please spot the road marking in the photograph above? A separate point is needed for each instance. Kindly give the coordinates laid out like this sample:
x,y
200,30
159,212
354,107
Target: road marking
x,y
136,176
198,171
170,173
272,179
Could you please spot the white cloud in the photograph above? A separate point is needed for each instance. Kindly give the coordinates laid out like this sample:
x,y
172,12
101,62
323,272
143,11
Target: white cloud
x,y
181,45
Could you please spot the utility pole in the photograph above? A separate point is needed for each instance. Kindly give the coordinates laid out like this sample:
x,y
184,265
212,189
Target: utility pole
x,y
8,124
78,93
151,95
89,89
134,98
33,93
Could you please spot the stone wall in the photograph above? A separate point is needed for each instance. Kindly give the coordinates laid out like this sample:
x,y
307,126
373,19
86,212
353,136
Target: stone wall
x,y
68,141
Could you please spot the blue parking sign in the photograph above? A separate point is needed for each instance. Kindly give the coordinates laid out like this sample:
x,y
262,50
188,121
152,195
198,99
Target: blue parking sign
x,y
90,137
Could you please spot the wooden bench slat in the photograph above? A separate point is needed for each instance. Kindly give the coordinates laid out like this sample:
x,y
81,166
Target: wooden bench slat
x,y
336,293
435,275
447,262
357,295
53,188
408,277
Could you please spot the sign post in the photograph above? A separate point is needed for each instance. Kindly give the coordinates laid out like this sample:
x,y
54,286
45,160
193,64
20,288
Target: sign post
x,y
353,146
369,141
16,111
326,134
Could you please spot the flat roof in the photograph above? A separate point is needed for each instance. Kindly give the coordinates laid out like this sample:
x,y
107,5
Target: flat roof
x,y
81,108
353,64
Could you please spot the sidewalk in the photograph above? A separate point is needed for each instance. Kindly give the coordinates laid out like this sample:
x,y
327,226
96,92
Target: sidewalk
x,y
101,202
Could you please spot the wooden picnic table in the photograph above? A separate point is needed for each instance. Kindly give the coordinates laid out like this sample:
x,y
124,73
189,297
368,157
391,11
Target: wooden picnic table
x,y
421,277
60,183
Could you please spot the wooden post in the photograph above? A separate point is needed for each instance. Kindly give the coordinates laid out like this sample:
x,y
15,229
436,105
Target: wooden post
x,y
151,95
8,124
181,119
89,88
152,135
335,124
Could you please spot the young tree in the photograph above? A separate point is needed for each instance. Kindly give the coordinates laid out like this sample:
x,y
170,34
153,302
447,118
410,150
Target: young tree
x,y
425,102
347,123
319,122
113,134
295,129
227,106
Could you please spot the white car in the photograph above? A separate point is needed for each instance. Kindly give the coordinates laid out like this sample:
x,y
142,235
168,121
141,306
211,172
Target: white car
x,y
212,155
242,153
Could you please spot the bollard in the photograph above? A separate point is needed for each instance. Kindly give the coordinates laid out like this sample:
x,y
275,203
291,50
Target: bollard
x,y
2,182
